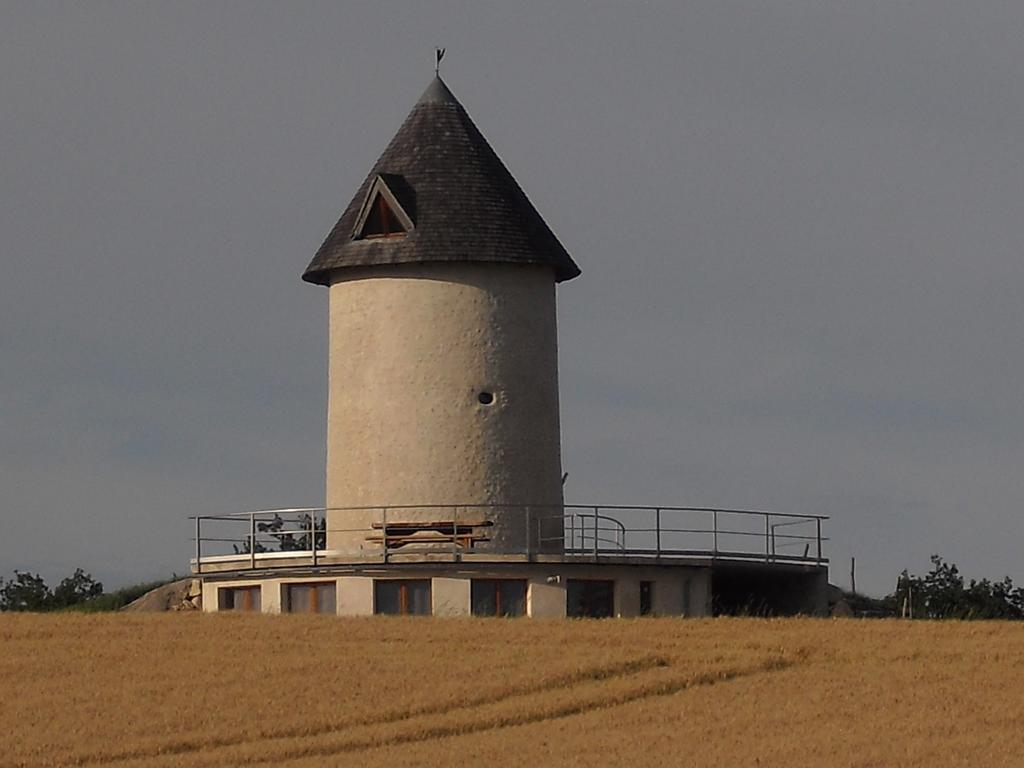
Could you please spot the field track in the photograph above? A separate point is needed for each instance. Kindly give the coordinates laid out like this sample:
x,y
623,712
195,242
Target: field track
x,y
125,691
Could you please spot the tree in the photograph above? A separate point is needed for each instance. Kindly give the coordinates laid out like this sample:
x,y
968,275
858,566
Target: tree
x,y
26,592
293,538
75,589
941,594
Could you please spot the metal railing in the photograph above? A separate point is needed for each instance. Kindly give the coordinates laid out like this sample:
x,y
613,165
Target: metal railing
x,y
310,535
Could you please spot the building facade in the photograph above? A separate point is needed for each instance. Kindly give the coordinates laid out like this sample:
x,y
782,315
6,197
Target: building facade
x,y
444,475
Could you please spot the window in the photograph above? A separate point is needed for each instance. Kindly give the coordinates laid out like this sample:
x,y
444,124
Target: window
x,y
401,597
498,597
382,214
317,597
239,599
381,221
590,598
646,598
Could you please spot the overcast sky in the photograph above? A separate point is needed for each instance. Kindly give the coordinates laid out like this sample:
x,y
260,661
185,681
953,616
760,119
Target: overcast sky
x,y
800,226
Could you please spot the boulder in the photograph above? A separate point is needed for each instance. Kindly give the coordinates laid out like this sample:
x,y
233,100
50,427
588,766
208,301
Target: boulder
x,y
176,596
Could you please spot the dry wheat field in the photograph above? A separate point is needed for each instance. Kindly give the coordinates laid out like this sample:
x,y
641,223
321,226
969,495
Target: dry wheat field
x,y
300,691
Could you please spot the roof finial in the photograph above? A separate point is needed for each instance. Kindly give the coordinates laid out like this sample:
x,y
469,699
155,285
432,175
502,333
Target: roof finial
x,y
439,54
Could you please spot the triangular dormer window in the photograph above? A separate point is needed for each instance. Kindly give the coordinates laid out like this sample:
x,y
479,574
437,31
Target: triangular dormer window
x,y
381,215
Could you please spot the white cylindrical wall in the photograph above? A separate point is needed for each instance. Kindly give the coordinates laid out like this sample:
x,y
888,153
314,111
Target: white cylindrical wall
x,y
412,348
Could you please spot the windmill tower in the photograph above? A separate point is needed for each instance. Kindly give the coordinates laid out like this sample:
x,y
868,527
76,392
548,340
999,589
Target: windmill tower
x,y
443,362
444,476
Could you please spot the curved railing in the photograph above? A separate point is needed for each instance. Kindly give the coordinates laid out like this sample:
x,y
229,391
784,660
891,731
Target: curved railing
x,y
301,535
600,534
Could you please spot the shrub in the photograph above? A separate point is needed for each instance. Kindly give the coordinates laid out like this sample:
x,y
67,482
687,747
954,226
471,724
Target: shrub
x,y
78,592
941,594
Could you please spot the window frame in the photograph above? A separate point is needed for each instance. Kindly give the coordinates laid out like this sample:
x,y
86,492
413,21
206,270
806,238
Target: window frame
x,y
314,596
403,596
496,584
381,197
386,216
249,605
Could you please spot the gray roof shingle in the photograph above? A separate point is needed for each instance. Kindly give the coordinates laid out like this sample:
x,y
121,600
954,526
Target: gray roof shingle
x,y
464,204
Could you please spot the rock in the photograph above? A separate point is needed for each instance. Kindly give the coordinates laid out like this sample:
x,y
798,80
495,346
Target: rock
x,y
164,598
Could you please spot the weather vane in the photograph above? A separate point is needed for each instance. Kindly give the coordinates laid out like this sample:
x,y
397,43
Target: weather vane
x,y
438,54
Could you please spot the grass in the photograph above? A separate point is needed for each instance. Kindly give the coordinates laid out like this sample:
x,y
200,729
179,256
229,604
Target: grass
x,y
218,690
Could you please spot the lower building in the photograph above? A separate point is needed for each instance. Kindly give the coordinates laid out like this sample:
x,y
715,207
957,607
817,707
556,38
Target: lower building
x,y
596,591
607,567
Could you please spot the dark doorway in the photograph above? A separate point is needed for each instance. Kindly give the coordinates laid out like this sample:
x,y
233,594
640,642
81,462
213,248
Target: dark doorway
x,y
765,592
646,598
590,598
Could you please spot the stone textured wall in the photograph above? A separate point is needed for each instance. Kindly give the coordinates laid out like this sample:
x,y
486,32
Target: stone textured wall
x,y
450,596
411,350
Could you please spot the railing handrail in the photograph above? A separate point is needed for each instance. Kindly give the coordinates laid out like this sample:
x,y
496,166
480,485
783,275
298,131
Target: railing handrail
x,y
584,530
619,507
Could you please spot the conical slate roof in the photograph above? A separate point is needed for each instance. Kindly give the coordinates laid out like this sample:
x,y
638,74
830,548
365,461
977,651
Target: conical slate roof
x,y
463,203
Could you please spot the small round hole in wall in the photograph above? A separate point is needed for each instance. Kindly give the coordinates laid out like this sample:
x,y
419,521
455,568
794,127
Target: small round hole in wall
x,y
486,398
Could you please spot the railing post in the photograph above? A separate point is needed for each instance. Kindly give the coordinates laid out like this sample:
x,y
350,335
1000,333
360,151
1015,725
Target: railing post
x,y
657,528
199,545
818,521
252,540
767,530
714,542
312,534
384,532
596,513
